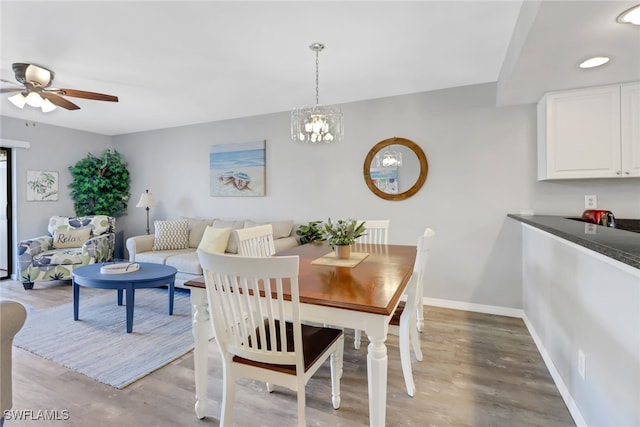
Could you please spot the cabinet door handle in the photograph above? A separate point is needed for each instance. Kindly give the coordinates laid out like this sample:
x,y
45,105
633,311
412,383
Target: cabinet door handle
x,y
618,173
627,172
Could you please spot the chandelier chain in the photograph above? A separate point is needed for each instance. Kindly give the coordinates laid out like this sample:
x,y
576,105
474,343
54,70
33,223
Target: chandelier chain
x,y
317,78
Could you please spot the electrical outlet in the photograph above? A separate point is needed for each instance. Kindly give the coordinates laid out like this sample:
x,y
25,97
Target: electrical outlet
x,y
591,202
582,364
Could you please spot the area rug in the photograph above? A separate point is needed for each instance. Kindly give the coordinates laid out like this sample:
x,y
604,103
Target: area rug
x,y
98,346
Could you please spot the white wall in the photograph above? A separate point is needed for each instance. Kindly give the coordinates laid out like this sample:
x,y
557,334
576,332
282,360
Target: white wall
x,y
575,299
482,165
52,148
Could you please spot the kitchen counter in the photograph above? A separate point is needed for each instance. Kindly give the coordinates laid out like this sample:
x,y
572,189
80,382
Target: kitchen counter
x,y
623,246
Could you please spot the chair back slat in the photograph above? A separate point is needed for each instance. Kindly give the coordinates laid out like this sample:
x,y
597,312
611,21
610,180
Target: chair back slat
x,y
376,232
422,250
256,241
425,242
248,307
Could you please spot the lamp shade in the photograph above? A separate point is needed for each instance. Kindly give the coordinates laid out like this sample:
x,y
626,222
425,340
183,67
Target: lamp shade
x,y
146,200
18,100
47,106
34,100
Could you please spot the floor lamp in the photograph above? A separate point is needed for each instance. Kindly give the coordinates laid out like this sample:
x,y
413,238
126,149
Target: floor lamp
x,y
146,201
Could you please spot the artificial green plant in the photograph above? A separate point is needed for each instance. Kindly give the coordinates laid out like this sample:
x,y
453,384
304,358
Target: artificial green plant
x,y
100,184
343,232
310,232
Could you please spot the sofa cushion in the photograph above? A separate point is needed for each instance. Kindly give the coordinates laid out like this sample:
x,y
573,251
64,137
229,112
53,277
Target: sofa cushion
x,y
70,238
187,262
97,224
58,257
101,224
160,257
171,235
196,229
232,245
280,228
215,240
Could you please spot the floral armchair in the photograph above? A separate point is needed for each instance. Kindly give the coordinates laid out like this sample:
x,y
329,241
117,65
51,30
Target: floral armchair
x,y
72,242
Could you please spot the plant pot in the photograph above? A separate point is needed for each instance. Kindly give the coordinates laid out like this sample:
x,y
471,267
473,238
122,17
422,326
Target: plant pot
x,y
27,285
343,251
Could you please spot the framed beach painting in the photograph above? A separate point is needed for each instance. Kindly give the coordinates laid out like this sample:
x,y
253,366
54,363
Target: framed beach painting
x,y
42,186
237,170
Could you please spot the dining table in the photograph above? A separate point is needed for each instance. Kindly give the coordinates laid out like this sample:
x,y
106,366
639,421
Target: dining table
x,y
360,293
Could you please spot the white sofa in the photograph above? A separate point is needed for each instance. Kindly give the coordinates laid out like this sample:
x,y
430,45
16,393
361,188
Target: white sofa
x,y
185,260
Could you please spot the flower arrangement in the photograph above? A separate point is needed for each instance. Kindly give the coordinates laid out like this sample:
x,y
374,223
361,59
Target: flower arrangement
x,y
344,232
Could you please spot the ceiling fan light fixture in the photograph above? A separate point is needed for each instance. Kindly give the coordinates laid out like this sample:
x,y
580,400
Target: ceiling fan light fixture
x,y
47,106
630,16
18,100
320,123
36,81
40,76
34,100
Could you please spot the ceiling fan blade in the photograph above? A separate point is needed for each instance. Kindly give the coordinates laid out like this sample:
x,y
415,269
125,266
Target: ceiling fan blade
x,y
11,89
87,95
11,82
59,101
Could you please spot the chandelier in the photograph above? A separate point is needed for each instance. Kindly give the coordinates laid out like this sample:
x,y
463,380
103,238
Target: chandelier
x,y
388,159
320,123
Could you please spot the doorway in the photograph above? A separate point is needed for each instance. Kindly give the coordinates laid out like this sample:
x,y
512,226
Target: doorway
x,y
6,228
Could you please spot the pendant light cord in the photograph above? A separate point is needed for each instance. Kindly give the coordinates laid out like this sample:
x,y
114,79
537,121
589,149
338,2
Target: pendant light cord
x,y
317,78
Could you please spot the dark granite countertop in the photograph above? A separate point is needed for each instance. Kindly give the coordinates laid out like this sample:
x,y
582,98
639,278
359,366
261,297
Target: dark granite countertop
x,y
621,245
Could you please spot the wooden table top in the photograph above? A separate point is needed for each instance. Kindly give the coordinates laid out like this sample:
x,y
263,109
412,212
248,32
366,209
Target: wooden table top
x,y
373,286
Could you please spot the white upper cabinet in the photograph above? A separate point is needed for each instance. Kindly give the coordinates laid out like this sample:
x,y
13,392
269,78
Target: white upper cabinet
x,y
590,133
630,111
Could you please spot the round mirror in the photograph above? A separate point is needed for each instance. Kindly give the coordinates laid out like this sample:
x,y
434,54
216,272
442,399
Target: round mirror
x,y
395,169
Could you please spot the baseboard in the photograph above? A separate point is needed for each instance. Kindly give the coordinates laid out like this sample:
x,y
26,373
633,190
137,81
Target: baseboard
x,y
478,308
557,379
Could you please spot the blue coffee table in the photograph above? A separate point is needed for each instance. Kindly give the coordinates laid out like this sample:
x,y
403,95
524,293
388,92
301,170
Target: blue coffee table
x,y
148,276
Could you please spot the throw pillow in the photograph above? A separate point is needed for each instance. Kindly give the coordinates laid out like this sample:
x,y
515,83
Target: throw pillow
x,y
196,229
171,235
214,240
232,246
70,238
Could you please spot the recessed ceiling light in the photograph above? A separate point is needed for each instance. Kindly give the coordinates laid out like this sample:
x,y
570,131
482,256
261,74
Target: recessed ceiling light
x,y
596,61
630,16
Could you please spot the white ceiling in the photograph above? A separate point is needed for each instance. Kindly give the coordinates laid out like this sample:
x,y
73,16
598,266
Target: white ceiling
x,y
175,63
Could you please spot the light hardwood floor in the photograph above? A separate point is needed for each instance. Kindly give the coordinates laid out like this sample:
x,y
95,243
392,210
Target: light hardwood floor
x,y
478,370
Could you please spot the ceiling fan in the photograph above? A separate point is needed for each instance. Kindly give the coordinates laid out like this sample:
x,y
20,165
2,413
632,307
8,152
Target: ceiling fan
x,y
36,91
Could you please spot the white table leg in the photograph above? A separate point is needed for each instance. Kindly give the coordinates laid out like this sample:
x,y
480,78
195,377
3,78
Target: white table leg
x,y
377,375
200,352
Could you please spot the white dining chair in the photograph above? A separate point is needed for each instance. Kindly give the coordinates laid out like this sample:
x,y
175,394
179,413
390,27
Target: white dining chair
x,y
420,308
403,322
376,232
271,344
256,241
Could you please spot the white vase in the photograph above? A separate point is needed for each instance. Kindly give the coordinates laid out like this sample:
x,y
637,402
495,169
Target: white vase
x,y
343,251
